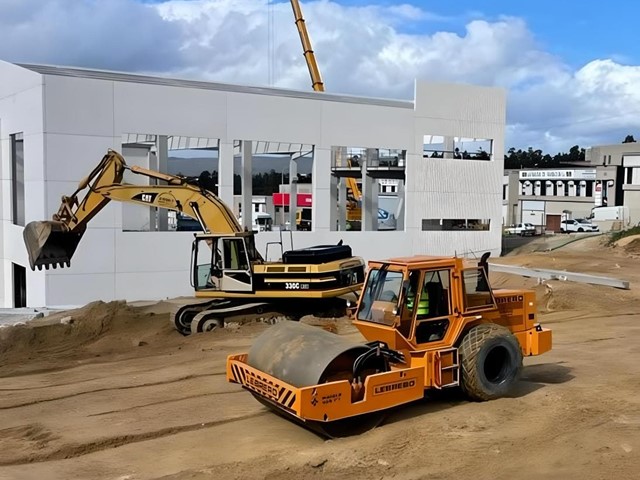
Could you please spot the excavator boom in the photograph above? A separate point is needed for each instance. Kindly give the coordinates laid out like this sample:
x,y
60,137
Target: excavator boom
x,y
53,242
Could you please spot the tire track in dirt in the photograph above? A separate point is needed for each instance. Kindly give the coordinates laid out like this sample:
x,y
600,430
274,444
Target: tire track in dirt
x,y
106,389
65,384
162,402
77,450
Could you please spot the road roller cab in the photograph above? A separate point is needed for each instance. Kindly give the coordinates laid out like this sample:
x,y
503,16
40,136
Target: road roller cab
x,y
428,323
425,303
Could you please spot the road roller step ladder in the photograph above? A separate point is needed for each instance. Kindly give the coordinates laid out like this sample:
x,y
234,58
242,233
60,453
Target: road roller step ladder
x,y
428,323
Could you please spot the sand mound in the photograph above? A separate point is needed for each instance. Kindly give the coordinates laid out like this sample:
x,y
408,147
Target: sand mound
x,y
633,247
92,330
627,240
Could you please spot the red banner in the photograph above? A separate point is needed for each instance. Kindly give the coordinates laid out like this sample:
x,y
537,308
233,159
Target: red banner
x,y
282,200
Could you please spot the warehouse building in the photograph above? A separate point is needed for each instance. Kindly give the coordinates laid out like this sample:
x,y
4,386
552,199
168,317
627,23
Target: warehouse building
x,y
56,123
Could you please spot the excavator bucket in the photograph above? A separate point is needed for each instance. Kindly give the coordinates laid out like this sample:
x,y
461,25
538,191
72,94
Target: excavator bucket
x,y
49,243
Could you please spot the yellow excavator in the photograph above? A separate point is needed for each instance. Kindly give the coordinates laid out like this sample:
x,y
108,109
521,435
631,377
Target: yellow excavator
x,y
232,281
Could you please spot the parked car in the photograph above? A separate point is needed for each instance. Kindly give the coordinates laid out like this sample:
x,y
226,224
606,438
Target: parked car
x,y
521,229
578,225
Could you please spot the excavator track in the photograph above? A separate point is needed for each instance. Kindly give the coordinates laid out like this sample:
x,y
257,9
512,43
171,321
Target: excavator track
x,y
189,317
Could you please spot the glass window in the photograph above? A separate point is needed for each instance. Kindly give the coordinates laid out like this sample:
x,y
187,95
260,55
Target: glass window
x,y
476,289
382,286
17,178
434,299
461,224
235,256
203,265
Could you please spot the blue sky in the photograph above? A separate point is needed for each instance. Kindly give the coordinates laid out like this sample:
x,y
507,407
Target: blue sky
x,y
579,31
571,69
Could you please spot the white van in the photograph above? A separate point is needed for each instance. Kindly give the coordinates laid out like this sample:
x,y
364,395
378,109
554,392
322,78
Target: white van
x,y
610,213
261,222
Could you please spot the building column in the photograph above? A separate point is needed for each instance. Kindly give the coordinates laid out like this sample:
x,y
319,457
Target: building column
x,y
449,145
152,164
324,192
293,192
400,209
369,220
247,184
341,185
162,147
225,173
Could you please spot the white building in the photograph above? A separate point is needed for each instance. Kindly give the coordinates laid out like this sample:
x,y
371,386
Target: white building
x,y
57,123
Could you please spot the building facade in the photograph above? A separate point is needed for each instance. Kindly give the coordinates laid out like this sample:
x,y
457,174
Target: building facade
x,y
609,176
618,177
56,124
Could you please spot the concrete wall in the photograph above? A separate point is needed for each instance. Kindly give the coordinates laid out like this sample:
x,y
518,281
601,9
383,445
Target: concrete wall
x,y
21,111
449,188
76,119
632,200
599,155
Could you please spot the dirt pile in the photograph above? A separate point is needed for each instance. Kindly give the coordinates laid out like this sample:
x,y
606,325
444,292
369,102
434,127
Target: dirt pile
x,y
633,247
92,330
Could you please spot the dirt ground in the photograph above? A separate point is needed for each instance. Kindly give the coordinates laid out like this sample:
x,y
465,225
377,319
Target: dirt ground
x,y
112,392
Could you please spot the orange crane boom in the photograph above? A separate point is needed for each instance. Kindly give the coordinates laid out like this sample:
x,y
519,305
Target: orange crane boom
x,y
314,72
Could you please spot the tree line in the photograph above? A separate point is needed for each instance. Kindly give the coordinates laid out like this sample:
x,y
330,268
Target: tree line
x,y
530,158
267,183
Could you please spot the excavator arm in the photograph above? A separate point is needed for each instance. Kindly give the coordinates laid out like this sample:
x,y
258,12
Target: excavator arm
x,y
54,242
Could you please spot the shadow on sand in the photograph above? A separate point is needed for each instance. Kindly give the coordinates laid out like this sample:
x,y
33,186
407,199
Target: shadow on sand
x,y
533,377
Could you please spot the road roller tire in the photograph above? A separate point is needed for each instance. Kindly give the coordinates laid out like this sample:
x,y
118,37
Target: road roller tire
x,y
491,360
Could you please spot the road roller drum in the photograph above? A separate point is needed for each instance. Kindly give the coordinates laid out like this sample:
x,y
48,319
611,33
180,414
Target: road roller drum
x,y
302,355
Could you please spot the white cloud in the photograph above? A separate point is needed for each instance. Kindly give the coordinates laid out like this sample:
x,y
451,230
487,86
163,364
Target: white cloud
x,y
369,50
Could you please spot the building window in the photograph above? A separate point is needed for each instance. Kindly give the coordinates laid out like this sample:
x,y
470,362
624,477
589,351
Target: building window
x,y
19,286
17,178
632,176
440,224
461,148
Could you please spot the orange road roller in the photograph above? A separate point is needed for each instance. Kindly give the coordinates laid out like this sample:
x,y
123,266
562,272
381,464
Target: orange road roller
x,y
429,323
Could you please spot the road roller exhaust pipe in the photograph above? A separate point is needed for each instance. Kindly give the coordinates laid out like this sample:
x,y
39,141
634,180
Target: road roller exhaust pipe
x,y
50,243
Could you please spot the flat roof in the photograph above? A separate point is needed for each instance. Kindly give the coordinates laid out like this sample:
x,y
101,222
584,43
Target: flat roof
x,y
225,87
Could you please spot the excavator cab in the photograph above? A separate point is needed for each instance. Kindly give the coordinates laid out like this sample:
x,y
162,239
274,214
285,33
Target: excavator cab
x,y
222,263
